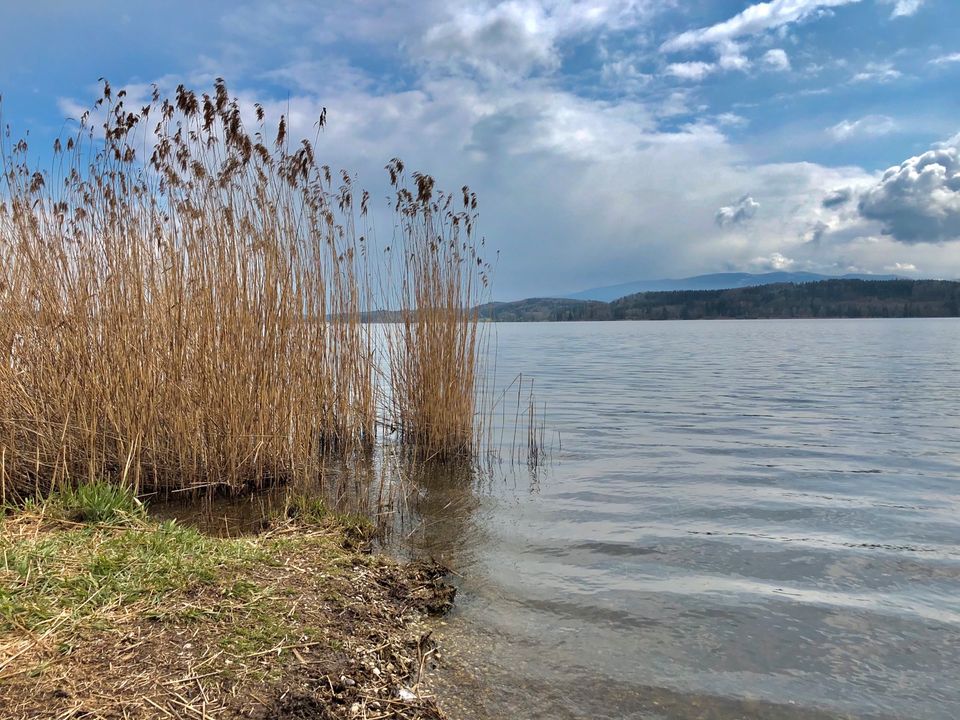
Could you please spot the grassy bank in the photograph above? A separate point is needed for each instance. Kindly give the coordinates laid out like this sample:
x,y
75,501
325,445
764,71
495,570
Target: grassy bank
x,y
106,613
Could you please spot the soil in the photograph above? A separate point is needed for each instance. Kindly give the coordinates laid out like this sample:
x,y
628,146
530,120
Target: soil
x,y
348,637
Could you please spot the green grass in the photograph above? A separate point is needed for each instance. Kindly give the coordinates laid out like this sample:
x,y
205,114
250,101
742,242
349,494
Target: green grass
x,y
100,502
307,509
70,575
91,560
121,604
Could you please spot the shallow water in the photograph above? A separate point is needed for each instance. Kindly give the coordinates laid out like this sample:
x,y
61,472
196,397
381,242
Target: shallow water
x,y
755,519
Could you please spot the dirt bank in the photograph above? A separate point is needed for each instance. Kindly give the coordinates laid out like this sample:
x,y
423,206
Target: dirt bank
x,y
140,619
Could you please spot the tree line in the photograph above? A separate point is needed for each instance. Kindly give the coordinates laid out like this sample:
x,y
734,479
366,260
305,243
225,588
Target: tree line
x,y
823,299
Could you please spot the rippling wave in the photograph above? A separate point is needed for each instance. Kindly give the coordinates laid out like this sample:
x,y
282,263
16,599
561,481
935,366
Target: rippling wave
x,y
747,520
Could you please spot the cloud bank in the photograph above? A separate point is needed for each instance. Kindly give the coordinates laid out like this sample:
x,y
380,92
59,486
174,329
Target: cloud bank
x,y
600,156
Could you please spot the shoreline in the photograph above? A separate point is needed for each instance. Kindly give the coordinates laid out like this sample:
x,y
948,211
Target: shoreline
x,y
131,617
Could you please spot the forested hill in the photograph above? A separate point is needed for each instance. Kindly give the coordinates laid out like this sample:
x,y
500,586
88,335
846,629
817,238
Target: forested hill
x,y
824,299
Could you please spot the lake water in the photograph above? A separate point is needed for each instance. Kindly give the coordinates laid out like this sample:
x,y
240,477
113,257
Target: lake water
x,y
756,519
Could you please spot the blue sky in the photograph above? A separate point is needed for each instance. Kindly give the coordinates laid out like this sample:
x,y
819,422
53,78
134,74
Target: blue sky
x,y
608,140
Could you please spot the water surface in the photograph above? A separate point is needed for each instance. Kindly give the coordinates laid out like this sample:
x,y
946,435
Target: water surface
x,y
747,519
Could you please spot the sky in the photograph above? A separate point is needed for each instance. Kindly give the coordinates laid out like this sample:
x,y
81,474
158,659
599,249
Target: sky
x,y
607,140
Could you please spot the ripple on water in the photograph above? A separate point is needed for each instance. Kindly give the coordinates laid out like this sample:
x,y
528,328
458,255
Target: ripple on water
x,y
748,520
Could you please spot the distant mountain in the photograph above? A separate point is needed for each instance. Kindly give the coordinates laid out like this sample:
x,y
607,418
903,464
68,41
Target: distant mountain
x,y
715,281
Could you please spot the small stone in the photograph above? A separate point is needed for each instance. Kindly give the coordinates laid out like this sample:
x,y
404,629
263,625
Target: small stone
x,y
355,709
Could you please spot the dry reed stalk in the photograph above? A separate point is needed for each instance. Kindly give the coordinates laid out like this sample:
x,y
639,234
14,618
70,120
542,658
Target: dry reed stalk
x,y
179,305
436,347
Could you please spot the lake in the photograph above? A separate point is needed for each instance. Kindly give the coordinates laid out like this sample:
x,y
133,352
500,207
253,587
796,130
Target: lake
x,y
739,519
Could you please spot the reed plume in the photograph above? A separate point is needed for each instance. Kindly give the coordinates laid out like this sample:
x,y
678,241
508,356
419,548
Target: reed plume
x,y
437,344
182,306
179,305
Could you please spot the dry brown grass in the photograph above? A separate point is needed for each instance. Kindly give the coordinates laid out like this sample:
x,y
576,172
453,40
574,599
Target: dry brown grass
x,y
181,303
437,346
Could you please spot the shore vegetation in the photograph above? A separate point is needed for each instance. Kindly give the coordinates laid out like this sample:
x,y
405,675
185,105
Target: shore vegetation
x,y
182,303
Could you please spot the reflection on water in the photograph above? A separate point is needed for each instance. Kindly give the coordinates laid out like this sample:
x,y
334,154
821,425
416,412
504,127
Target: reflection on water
x,y
747,520
441,502
363,486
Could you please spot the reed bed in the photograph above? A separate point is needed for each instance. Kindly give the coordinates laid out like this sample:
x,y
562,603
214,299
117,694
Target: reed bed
x,y
437,345
182,305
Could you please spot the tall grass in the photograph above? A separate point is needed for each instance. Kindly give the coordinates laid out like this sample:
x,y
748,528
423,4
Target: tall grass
x,y
181,301
437,345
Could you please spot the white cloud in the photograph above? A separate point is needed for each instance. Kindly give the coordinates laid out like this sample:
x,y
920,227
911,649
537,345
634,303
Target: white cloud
x,y
548,164
319,76
514,36
952,142
729,119
877,72
625,74
900,267
742,210
946,59
919,200
775,261
518,36
903,8
870,126
756,19
71,108
676,103
506,39
730,56
776,59
694,71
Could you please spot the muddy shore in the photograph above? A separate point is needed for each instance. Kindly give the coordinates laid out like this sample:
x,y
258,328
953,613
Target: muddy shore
x,y
142,619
